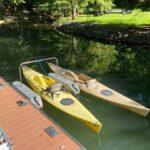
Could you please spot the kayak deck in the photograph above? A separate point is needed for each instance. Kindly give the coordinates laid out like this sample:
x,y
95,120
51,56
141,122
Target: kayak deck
x,y
109,95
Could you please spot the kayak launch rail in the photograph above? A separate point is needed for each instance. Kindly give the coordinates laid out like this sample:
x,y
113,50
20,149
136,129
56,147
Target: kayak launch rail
x,y
34,61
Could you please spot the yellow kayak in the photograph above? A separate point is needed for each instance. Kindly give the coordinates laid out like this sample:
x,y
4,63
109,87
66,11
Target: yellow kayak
x,y
55,94
93,87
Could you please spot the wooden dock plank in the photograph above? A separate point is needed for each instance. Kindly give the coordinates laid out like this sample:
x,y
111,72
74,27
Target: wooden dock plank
x,y
25,125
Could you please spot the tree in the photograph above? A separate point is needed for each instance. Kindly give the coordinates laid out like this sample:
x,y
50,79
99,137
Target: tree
x,y
55,7
146,4
102,5
74,4
129,4
59,7
99,5
17,1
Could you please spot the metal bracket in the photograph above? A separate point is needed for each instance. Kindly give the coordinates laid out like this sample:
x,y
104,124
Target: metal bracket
x,y
21,103
51,131
34,61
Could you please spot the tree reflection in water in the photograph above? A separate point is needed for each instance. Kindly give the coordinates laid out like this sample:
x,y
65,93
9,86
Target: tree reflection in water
x,y
132,63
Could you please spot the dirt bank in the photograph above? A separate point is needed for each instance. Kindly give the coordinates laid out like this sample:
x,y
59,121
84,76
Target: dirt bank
x,y
108,33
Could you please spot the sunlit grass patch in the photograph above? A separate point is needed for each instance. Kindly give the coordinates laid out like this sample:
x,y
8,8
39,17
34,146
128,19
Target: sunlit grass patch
x,y
136,18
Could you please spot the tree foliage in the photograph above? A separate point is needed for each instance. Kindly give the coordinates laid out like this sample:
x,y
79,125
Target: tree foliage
x,y
55,7
146,4
132,4
99,6
73,7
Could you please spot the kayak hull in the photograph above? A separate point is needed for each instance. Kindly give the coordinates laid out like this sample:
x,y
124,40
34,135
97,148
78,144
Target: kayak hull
x,y
63,101
34,98
116,98
94,88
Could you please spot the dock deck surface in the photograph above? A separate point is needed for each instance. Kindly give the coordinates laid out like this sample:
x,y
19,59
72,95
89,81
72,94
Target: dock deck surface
x,y
25,125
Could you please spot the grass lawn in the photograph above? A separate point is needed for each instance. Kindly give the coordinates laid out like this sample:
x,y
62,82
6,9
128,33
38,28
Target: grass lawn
x,y
136,18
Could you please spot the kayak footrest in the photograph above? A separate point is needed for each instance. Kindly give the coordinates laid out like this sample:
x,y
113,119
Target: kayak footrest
x,y
51,131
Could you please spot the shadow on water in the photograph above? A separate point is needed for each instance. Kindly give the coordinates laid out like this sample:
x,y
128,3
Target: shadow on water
x,y
121,67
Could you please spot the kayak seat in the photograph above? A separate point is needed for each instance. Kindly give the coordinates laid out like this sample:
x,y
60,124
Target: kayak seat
x,y
83,77
56,87
71,75
91,83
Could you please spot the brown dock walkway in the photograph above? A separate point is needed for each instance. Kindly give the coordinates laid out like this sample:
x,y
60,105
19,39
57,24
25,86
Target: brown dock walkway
x,y
25,125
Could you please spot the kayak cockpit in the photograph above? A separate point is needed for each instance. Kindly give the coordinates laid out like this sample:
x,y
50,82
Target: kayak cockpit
x,y
43,81
48,86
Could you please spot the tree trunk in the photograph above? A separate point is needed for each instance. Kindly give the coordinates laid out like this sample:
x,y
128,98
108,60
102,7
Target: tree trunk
x,y
75,49
73,9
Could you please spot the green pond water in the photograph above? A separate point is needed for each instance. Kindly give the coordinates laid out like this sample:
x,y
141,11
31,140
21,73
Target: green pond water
x,y
124,68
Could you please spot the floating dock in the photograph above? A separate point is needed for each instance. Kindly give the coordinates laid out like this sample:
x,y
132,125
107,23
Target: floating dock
x,y
26,127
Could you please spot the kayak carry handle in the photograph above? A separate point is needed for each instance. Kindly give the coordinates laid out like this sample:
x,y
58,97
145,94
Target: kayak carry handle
x,y
34,61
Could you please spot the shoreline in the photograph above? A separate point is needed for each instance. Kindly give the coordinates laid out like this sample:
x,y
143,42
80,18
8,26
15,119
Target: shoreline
x,y
112,34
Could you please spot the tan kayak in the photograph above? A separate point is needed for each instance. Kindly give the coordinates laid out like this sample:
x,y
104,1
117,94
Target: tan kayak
x,y
93,87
